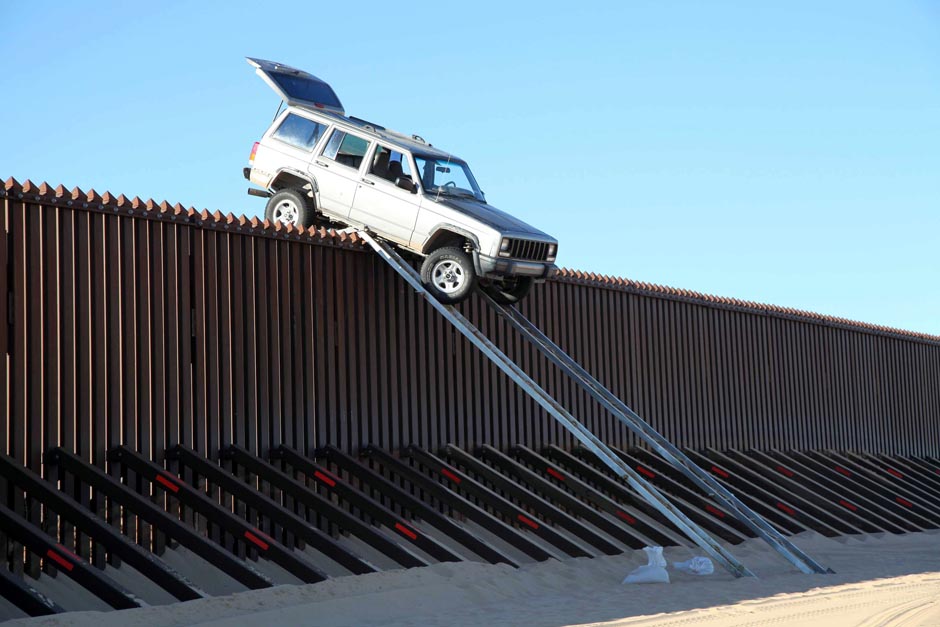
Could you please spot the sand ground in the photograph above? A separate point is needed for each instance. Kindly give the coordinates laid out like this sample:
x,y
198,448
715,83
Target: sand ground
x,y
880,579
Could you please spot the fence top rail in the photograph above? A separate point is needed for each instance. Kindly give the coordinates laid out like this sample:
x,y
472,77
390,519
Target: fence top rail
x,y
150,209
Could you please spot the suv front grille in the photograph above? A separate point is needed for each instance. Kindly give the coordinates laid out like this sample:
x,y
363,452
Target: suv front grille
x,y
527,249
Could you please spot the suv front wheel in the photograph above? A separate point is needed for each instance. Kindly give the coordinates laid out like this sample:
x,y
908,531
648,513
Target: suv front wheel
x,y
289,206
448,274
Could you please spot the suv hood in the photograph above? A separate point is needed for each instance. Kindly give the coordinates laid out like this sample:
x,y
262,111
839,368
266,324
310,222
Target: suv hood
x,y
491,216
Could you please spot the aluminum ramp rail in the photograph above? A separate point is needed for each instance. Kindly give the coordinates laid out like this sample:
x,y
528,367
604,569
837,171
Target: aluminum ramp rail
x,y
708,544
660,444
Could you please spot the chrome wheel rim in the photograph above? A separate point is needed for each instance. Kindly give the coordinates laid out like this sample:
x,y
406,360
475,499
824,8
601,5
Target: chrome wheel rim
x,y
448,276
286,212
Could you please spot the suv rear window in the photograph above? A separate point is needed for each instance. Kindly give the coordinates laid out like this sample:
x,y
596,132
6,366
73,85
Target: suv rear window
x,y
346,149
301,88
299,132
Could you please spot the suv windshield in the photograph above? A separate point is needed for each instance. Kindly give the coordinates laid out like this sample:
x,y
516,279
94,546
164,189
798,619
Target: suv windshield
x,y
446,176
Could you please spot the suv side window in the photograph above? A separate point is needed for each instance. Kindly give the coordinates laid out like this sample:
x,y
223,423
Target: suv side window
x,y
299,132
390,165
346,149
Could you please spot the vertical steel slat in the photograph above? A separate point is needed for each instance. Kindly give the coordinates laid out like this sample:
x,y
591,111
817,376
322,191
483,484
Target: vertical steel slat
x,y
35,358
94,444
18,411
307,350
158,350
144,292
127,417
75,321
8,329
227,311
52,410
323,344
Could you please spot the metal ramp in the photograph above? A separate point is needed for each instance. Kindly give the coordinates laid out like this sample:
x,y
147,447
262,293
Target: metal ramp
x,y
609,401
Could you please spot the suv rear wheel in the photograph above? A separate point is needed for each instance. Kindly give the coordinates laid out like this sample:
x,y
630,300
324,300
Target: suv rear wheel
x,y
289,206
448,274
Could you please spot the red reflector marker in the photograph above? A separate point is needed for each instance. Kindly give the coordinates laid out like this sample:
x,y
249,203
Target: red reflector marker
x,y
527,521
847,505
627,517
843,471
320,476
894,473
167,482
646,471
721,473
555,474
258,542
786,508
785,471
903,502
61,561
447,473
405,531
714,510
62,549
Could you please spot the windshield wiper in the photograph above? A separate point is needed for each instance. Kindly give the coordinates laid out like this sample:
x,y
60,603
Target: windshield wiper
x,y
450,191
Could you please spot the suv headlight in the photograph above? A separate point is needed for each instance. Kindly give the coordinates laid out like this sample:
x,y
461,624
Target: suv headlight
x,y
552,250
504,247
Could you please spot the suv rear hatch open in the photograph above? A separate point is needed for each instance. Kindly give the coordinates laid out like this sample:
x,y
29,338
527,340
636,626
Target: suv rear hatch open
x,y
296,87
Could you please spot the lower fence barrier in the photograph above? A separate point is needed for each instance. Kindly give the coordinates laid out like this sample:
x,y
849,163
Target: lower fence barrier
x,y
512,506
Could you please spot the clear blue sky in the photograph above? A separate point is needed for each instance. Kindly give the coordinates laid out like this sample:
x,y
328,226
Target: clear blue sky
x,y
787,154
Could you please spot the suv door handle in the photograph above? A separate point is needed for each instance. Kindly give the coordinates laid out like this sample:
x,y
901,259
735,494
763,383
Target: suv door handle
x,y
321,164
365,180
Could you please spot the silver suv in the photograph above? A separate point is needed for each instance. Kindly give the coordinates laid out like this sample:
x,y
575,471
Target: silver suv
x,y
315,164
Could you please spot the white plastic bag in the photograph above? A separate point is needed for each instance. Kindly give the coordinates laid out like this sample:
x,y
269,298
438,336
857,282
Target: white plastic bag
x,y
654,571
696,566
654,554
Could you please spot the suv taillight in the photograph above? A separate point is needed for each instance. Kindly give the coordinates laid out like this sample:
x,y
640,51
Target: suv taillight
x,y
254,149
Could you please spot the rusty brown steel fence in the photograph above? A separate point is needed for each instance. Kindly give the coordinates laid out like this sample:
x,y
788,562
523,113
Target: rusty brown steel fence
x,y
141,323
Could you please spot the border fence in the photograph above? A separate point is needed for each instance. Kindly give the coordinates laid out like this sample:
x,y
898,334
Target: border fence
x,y
250,393
145,324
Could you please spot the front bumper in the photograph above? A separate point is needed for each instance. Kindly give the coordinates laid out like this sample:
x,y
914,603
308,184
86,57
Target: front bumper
x,y
498,267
